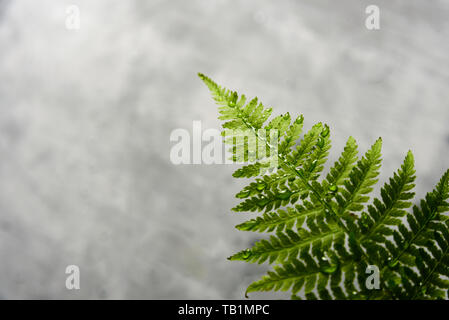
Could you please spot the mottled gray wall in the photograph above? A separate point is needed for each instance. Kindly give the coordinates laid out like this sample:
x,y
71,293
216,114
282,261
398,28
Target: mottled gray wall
x,y
85,119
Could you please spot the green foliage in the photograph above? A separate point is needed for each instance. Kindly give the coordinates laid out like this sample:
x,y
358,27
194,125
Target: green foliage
x,y
324,231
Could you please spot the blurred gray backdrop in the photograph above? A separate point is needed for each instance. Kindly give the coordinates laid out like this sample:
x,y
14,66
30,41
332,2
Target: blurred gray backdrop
x,y
86,116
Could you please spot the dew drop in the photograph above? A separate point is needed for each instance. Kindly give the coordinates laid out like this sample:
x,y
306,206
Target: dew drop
x,y
233,99
329,269
246,254
320,143
325,131
260,185
243,194
333,188
313,165
393,263
284,195
365,220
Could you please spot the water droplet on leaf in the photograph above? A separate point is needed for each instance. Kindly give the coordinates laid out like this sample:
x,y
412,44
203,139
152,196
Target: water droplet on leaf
x,y
333,188
329,269
365,220
325,131
313,165
243,194
393,263
320,143
260,185
284,195
246,254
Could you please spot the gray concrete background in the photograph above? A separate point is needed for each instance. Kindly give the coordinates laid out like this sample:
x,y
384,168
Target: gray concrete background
x,y
85,119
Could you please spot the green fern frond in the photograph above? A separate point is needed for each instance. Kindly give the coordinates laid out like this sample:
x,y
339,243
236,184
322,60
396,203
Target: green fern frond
x,y
342,168
287,246
423,245
361,179
282,219
377,224
306,274
325,233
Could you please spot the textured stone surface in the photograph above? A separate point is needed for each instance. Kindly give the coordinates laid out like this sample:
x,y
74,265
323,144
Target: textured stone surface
x,y
85,119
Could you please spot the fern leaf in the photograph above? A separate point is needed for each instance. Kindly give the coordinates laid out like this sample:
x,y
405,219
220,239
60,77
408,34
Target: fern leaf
x,y
341,169
361,179
424,245
305,274
324,234
287,246
377,223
